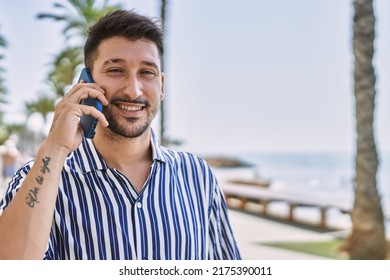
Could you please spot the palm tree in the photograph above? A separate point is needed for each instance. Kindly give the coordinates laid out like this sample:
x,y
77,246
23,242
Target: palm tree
x,y
77,16
3,90
162,108
64,67
367,240
164,138
61,75
44,105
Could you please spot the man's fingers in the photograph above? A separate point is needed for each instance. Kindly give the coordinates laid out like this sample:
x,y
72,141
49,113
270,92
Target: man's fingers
x,y
82,91
92,111
94,94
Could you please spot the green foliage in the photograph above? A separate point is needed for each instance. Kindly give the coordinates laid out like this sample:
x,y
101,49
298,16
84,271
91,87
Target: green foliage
x,y
328,249
44,105
3,42
77,16
3,89
3,134
63,70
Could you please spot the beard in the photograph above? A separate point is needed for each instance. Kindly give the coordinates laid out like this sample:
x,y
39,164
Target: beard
x,y
130,127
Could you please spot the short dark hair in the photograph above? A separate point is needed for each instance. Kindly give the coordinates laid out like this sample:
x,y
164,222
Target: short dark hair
x,y
125,23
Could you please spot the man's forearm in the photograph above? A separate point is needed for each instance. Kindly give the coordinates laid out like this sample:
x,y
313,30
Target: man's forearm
x,y
25,224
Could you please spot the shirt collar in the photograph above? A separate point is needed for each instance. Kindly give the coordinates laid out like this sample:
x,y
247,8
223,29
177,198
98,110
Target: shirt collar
x,y
88,158
157,149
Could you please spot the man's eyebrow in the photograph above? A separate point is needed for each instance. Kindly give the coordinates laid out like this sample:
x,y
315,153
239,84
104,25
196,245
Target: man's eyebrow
x,y
113,60
150,63
120,60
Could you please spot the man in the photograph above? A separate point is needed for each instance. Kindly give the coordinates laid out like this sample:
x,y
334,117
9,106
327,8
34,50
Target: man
x,y
120,195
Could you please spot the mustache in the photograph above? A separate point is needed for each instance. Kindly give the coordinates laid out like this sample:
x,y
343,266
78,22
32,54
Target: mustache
x,y
138,100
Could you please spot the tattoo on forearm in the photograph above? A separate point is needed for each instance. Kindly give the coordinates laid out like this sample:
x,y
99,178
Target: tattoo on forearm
x,y
45,167
32,195
39,180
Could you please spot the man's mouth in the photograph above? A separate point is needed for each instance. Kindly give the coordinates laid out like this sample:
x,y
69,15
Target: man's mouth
x,y
131,108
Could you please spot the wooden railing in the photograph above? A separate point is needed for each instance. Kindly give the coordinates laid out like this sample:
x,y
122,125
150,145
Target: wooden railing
x,y
264,197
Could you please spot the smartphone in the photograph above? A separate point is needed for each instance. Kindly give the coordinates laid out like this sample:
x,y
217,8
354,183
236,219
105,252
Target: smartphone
x,y
89,123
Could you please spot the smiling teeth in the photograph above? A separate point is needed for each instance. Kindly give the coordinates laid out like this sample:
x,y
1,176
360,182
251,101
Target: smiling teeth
x,y
130,108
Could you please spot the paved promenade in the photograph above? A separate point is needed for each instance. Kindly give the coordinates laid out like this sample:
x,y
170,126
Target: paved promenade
x,y
250,231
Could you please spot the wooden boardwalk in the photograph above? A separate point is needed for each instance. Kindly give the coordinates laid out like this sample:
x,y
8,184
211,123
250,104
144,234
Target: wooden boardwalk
x,y
264,197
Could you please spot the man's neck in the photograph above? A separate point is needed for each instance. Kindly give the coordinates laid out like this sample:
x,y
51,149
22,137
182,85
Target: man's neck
x,y
122,153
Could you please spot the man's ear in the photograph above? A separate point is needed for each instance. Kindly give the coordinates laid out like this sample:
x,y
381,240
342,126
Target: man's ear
x,y
162,95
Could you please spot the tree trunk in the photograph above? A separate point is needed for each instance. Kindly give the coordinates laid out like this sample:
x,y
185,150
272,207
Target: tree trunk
x,y
367,240
162,108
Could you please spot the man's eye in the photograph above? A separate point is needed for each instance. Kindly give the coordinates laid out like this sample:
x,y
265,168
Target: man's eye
x,y
147,72
114,70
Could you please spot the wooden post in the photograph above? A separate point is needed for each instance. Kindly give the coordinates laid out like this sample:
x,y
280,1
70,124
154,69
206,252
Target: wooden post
x,y
264,203
244,201
323,217
291,214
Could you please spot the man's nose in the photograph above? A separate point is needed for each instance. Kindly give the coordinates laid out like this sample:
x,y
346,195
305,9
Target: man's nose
x,y
133,88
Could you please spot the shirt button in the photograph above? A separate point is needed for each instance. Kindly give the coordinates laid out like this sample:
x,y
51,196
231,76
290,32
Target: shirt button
x,y
139,204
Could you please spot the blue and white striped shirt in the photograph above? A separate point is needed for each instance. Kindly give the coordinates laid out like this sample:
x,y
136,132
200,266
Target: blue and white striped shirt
x,y
179,214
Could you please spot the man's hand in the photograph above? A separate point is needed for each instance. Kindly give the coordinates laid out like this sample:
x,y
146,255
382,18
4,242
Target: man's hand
x,y
65,130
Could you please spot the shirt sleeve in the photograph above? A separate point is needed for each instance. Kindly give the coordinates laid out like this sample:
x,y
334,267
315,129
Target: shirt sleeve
x,y
14,185
223,244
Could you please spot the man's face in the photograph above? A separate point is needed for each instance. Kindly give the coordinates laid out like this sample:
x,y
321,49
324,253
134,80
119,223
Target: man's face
x,y
130,74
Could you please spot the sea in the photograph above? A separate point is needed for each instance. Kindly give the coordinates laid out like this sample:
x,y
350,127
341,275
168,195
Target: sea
x,y
324,175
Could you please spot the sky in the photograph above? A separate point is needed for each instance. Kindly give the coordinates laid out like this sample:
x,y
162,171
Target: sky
x,y
241,75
